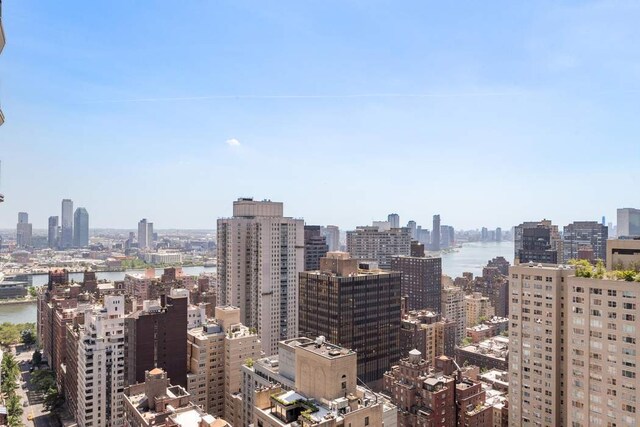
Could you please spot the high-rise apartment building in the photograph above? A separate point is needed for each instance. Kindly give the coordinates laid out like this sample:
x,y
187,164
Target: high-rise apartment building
x,y
373,244
453,309
394,220
53,238
498,234
435,233
346,302
153,337
413,228
100,365
24,231
538,336
477,308
628,224
145,237
260,253
537,242
332,234
216,353
602,352
421,281
315,247
66,236
81,228
585,237
428,332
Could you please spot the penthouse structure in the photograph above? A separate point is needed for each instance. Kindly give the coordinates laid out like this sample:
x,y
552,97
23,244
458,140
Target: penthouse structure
x,y
156,402
345,301
260,253
325,393
374,244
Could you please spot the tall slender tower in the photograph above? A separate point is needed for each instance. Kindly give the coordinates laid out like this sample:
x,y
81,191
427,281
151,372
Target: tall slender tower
x,y
81,228
260,253
66,238
435,234
145,234
52,235
23,230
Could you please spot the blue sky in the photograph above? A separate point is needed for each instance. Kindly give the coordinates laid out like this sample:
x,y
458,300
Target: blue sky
x,y
489,113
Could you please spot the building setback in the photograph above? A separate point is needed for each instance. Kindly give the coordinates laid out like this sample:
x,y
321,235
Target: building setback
x,y
356,308
421,281
153,337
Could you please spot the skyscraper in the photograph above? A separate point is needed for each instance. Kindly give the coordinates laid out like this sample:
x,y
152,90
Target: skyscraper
x,y
498,234
66,237
315,247
332,233
260,253
628,222
394,220
581,235
145,234
537,242
23,231
421,281
81,228
52,234
349,303
435,233
413,228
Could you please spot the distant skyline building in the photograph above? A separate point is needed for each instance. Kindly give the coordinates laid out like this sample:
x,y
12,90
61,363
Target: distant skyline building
x,y
145,234
260,253
585,237
373,244
81,228
435,233
24,231
53,233
498,234
66,236
447,237
538,242
315,247
394,220
628,222
332,233
413,227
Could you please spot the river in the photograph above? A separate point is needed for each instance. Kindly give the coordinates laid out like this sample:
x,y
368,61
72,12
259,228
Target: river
x,y
470,257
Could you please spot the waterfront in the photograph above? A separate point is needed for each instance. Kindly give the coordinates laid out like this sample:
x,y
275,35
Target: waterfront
x,y
470,257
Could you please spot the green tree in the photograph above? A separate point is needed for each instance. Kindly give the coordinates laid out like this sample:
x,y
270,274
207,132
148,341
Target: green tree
x,y
28,337
36,360
14,410
33,292
43,380
53,400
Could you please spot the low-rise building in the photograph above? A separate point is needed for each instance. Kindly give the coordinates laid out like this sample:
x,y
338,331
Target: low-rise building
x,y
488,354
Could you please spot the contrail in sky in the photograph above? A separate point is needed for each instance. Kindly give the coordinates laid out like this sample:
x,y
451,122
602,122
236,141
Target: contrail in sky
x,y
343,96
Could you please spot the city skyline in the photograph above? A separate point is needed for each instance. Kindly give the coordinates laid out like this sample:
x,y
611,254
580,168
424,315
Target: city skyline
x,y
385,87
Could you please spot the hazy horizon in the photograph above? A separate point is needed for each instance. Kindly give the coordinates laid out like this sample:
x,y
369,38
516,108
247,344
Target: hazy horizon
x,y
489,114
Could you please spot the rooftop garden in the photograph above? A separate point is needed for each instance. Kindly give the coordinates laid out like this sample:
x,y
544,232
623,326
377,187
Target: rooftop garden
x,y
585,269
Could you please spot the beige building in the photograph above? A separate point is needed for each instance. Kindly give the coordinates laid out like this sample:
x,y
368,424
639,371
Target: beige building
x,y
602,353
260,253
326,393
156,402
453,308
536,361
623,254
375,244
477,308
215,355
